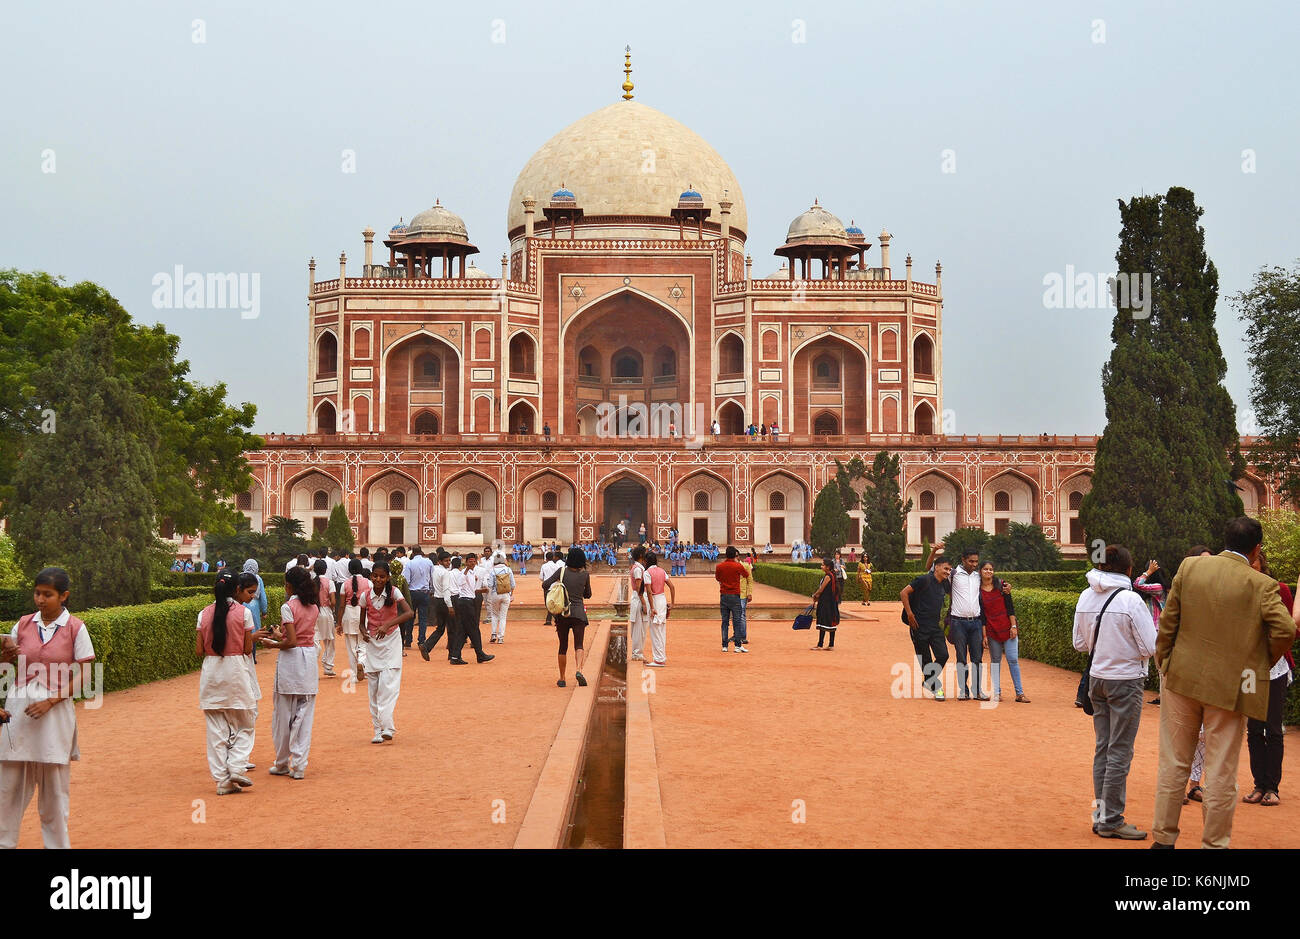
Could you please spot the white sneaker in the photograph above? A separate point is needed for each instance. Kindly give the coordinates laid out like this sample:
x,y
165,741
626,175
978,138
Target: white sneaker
x,y
377,738
725,650
387,735
297,774
239,779
741,649
227,789
655,664
276,771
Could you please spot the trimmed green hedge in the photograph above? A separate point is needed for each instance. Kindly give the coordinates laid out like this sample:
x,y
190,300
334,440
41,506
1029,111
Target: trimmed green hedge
x,y
159,594
1046,620
887,585
139,644
181,579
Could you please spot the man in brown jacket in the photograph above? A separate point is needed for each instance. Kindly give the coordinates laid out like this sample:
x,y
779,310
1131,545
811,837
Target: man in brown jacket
x,y
1222,629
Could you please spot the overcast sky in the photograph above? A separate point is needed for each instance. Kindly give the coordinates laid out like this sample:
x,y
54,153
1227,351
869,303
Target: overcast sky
x,y
226,154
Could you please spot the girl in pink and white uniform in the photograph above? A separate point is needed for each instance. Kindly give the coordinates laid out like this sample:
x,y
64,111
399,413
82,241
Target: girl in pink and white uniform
x,y
295,675
228,692
386,611
352,599
38,739
325,622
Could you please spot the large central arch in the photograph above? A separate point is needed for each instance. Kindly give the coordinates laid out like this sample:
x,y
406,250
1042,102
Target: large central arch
x,y
628,497
421,386
630,346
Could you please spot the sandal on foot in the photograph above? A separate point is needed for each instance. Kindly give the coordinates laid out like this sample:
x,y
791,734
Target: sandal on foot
x,y
1255,798
1196,794
1270,798
1021,699
560,683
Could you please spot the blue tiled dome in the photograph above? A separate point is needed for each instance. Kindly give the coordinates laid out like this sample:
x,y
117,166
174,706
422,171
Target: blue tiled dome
x,y
853,229
690,195
562,195
399,228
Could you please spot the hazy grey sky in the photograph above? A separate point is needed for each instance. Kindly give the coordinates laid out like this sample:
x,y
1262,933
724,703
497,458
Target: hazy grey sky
x,y
226,155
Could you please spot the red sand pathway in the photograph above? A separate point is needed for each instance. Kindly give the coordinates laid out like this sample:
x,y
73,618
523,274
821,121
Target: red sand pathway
x,y
738,740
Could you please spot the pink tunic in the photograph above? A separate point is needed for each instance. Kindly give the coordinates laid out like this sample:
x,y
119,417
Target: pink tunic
x,y
234,629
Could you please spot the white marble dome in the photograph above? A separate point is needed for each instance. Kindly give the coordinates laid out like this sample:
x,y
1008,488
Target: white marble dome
x,y
816,225
437,222
627,159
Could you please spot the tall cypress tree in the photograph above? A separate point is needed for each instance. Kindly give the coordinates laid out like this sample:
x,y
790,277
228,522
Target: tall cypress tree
x,y
338,532
830,522
83,496
1165,464
884,515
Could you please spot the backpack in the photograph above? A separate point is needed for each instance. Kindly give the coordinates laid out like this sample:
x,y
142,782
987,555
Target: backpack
x,y
557,598
503,584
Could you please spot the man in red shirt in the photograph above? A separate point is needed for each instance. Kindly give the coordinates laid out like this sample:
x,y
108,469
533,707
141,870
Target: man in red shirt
x,y
729,574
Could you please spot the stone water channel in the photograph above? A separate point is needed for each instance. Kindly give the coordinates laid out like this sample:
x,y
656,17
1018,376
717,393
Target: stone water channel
x,y
596,816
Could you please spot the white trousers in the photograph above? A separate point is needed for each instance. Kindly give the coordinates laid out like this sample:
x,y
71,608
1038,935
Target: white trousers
x,y
384,686
17,783
244,740
636,622
230,741
325,647
356,653
659,627
497,606
291,729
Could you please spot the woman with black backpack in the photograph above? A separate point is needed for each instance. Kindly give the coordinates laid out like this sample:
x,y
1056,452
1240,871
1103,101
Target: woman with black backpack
x,y
576,581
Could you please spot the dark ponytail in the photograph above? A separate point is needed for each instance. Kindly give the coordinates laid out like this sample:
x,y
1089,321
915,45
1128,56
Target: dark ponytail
x,y
319,568
225,592
303,585
354,568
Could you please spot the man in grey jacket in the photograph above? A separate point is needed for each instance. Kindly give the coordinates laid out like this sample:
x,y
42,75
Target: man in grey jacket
x,y
1125,640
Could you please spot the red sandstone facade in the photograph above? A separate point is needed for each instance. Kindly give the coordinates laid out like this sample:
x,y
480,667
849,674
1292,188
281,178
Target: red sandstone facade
x,y
428,395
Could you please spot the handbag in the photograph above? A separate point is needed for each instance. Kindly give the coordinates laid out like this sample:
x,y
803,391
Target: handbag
x,y
1083,696
804,620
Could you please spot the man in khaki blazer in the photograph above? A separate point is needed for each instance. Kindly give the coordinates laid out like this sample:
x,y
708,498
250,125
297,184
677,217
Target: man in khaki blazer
x,y
1221,630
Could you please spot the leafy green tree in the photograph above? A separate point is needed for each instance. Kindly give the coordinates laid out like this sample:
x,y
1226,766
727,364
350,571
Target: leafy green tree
x,y
830,523
82,493
11,575
846,474
1022,548
1164,467
1282,542
1271,309
284,540
197,439
960,540
884,514
338,532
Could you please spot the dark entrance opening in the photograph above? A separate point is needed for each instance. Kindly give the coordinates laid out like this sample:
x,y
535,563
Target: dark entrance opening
x,y
777,531
627,500
700,531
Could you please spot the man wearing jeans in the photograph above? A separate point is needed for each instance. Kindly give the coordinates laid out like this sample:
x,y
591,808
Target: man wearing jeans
x,y
922,603
418,572
967,623
729,575
1124,641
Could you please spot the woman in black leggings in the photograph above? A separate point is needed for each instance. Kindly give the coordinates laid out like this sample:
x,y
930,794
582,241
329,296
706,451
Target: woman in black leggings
x,y
577,581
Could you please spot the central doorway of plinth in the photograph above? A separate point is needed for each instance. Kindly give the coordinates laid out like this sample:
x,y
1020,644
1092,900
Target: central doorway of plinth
x,y
628,501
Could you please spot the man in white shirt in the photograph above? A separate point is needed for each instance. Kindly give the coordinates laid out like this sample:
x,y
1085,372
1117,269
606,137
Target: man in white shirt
x,y
367,564
636,618
463,588
482,582
967,628
548,569
1121,645
418,571
442,602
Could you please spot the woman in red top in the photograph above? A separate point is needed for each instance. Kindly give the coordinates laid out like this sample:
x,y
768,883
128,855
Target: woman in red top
x,y
1001,634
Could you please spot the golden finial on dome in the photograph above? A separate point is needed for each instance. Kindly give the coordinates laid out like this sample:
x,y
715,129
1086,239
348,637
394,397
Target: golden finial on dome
x,y
627,74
